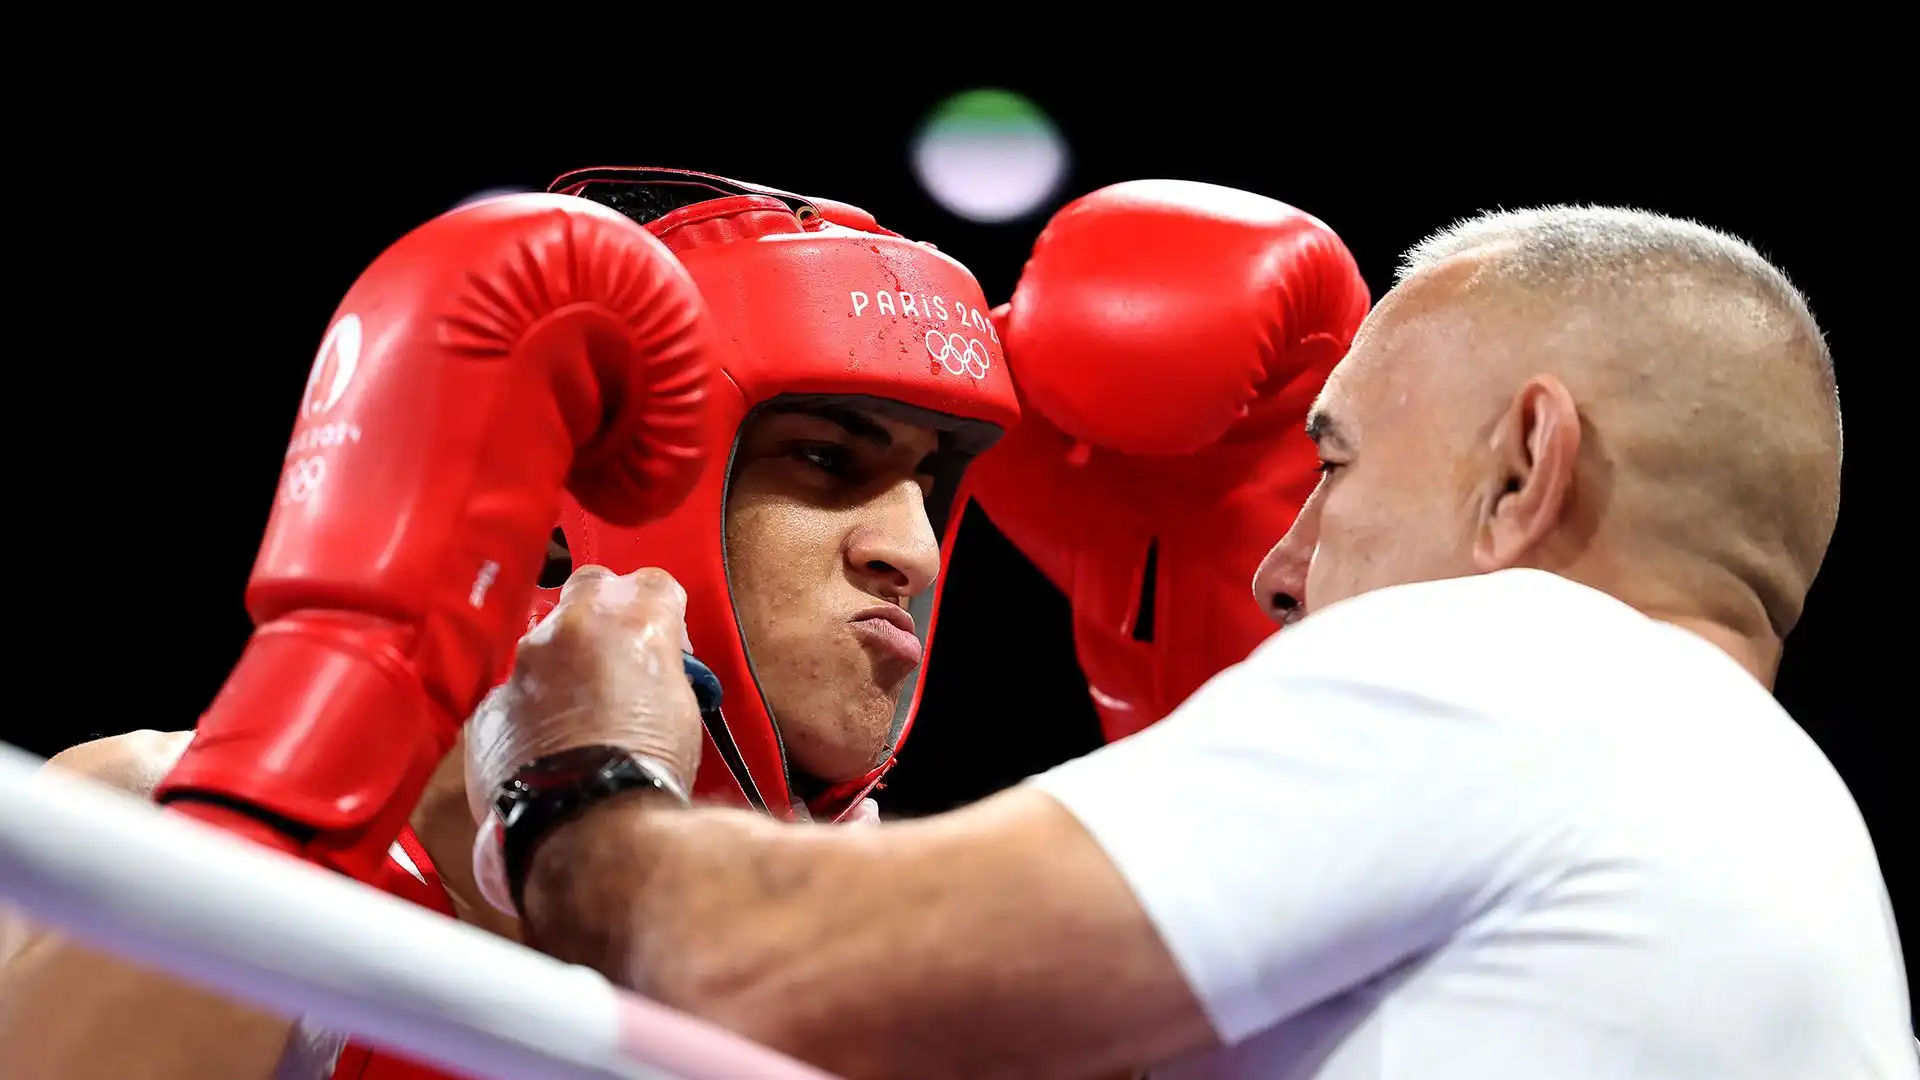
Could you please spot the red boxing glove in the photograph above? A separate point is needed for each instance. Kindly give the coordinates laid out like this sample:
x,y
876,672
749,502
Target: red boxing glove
x,y
489,359
1168,339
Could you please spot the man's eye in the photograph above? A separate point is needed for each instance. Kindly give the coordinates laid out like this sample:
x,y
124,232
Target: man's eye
x,y
1327,467
830,458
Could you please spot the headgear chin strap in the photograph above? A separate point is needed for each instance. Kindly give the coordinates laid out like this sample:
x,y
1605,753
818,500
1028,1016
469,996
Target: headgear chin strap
x,y
820,302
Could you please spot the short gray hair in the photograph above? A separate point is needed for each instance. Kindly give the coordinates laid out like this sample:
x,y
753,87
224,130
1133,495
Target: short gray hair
x,y
1735,451
1607,246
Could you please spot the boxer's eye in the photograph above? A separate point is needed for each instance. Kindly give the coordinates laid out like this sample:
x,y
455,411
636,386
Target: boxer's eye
x,y
830,458
1327,467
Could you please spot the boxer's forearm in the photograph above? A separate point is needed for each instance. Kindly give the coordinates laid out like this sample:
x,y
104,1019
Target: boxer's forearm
x,y
69,1013
924,948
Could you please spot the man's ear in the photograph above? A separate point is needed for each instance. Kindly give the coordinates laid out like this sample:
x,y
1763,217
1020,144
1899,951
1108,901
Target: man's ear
x,y
1535,446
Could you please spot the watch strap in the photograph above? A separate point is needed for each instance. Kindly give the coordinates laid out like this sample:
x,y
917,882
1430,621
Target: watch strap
x,y
553,790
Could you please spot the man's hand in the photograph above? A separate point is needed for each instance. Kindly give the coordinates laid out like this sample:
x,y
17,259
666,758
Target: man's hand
x,y
603,668
924,948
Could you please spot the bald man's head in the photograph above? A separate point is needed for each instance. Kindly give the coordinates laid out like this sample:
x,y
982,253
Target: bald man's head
x,y
1634,400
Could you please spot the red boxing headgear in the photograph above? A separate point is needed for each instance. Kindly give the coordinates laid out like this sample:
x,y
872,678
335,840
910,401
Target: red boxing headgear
x,y
819,301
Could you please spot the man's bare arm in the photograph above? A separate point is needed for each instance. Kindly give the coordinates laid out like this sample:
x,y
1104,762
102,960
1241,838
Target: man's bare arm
x,y
994,941
69,1013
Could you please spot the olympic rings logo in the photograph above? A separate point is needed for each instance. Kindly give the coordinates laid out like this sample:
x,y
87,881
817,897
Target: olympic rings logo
x,y
304,477
958,353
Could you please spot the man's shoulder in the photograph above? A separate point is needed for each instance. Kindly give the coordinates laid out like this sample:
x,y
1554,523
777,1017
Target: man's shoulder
x,y
1450,615
134,762
1476,597
1496,647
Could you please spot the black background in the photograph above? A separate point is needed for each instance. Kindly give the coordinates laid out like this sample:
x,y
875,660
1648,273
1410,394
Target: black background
x,y
200,244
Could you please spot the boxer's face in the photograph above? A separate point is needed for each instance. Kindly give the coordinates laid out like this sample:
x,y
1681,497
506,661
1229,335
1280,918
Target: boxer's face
x,y
1394,503
827,539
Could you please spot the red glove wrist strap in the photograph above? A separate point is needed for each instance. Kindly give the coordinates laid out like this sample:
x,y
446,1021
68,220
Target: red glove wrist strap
x,y
324,727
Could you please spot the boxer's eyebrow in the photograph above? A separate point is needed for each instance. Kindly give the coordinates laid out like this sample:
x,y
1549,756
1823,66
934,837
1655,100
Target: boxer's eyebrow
x,y
848,420
1323,429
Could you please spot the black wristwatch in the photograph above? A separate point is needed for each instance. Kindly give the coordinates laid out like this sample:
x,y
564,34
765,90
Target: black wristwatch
x,y
555,789
560,787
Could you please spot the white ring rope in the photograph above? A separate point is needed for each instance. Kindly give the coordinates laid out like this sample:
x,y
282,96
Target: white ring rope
x,y
121,875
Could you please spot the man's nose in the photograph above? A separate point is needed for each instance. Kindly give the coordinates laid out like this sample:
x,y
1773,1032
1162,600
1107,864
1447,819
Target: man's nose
x,y
1280,585
895,544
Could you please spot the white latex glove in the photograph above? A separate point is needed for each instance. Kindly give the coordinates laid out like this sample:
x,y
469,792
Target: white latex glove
x,y
603,668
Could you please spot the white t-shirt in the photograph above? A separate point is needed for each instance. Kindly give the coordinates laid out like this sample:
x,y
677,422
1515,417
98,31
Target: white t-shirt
x,y
1503,828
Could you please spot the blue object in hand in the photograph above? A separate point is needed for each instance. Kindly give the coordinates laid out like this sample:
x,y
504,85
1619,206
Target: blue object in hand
x,y
706,685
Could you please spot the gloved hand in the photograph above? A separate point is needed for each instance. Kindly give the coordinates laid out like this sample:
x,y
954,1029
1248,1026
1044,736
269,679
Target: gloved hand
x,y
487,360
1167,339
604,667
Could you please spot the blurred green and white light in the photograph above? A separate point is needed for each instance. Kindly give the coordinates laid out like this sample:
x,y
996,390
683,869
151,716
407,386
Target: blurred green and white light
x,y
989,156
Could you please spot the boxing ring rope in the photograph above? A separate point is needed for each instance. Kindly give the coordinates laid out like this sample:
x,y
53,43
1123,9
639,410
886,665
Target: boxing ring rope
x,y
175,895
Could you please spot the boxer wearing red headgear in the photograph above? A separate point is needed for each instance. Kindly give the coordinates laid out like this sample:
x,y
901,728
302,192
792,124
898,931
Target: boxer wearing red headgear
x,y
1169,338
861,373
865,373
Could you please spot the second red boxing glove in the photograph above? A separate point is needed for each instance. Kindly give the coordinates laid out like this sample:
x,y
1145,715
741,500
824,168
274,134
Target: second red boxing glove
x,y
488,359
1168,339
